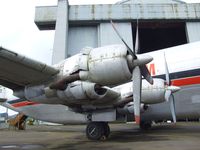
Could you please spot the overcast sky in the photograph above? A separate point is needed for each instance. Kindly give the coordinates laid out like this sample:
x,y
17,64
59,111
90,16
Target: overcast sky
x,y
19,33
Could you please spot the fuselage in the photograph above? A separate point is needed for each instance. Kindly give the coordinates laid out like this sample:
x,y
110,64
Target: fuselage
x,y
184,68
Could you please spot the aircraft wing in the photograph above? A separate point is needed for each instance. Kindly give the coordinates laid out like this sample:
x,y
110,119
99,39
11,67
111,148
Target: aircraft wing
x,y
17,71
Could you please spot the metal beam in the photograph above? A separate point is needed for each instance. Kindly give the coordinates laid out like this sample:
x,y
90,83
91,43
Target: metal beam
x,y
61,33
45,17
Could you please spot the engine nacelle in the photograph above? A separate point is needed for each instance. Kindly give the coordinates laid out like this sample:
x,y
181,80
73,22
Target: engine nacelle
x,y
108,65
76,93
33,91
81,91
129,109
87,93
104,65
152,94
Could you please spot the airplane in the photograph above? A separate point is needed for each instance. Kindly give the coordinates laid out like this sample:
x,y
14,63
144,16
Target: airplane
x,y
2,96
2,100
184,73
91,87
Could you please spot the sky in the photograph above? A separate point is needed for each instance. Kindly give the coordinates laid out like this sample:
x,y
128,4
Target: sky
x,y
19,33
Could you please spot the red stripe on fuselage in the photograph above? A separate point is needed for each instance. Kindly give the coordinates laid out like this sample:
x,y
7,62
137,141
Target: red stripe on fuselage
x,y
22,104
186,81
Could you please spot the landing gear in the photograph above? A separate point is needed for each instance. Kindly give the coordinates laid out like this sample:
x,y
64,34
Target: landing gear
x,y
145,125
97,130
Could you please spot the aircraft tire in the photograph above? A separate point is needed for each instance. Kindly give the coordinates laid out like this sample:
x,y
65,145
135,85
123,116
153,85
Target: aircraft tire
x,y
95,131
145,125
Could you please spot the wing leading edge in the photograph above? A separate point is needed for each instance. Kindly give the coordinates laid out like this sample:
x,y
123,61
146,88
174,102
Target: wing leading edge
x,y
17,71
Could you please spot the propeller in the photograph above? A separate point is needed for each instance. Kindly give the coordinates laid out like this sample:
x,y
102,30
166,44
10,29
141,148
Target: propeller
x,y
136,77
137,43
169,97
131,52
139,69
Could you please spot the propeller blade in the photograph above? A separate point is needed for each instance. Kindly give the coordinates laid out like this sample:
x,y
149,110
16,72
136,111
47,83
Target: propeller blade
x,y
129,49
167,95
172,108
166,71
137,81
170,98
146,74
137,40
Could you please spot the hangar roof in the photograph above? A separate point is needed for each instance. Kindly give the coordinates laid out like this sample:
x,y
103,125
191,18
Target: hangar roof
x,y
45,17
150,2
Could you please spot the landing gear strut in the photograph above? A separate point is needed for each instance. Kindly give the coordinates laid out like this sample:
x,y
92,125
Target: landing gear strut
x,y
97,130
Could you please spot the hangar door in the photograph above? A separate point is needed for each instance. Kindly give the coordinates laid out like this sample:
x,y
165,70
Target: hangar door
x,y
158,35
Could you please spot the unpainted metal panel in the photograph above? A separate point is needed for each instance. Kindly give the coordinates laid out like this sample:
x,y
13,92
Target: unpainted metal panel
x,y
106,115
80,37
108,36
193,31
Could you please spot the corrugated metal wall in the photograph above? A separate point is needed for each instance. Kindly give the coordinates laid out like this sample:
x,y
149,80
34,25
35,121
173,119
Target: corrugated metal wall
x,y
193,31
80,37
108,36
95,36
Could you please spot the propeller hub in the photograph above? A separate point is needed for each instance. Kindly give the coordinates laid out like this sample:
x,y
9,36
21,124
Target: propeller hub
x,y
173,89
142,60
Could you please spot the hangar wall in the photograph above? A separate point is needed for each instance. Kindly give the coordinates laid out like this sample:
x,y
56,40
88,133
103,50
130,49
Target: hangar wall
x,y
108,36
80,37
96,36
193,31
89,25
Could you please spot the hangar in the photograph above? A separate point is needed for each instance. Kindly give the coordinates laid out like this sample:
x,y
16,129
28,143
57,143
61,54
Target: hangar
x,y
162,24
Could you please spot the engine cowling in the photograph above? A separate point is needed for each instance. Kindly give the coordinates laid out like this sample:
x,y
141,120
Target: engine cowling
x,y
109,65
87,93
82,90
106,65
79,92
153,94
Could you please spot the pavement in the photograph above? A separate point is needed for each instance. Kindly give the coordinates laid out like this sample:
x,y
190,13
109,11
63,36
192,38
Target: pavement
x,y
182,136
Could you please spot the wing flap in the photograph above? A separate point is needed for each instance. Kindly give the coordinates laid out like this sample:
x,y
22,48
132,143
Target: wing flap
x,y
17,70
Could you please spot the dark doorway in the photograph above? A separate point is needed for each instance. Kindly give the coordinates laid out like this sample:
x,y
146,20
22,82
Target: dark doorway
x,y
158,35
